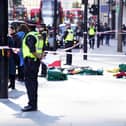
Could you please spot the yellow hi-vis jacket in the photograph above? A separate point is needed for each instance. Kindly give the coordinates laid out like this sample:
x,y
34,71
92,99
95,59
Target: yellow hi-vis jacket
x,y
39,45
91,31
70,35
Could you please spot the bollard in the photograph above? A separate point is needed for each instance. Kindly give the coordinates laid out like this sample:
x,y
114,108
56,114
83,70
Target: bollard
x,y
4,57
4,49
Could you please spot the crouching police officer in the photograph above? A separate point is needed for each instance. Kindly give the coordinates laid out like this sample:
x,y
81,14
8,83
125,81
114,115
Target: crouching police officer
x,y
32,49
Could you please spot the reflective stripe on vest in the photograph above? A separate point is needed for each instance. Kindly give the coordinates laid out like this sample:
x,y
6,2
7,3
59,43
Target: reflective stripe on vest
x,y
39,45
91,31
70,35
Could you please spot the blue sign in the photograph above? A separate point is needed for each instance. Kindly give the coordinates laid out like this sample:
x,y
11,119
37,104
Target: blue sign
x,y
104,8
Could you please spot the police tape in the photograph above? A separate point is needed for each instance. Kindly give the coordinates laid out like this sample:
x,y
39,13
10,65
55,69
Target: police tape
x,y
4,47
109,31
15,50
72,47
62,52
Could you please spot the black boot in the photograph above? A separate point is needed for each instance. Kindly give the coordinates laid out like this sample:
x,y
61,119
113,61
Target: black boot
x,y
12,82
11,86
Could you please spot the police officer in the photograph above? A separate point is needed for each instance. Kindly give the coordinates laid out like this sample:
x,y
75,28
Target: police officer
x,y
69,39
32,53
44,32
91,34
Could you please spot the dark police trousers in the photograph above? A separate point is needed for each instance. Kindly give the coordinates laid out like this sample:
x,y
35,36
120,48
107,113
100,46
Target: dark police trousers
x,y
43,70
31,69
69,44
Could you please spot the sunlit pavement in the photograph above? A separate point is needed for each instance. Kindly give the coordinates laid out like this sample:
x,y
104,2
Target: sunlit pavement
x,y
82,100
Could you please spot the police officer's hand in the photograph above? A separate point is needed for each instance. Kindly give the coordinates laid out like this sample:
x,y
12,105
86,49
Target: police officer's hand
x,y
41,56
38,56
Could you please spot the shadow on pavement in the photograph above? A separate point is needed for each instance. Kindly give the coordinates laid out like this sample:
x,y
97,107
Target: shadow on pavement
x,y
33,118
15,94
10,104
39,118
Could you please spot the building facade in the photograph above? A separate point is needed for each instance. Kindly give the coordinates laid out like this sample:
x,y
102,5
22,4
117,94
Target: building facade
x,y
107,10
30,4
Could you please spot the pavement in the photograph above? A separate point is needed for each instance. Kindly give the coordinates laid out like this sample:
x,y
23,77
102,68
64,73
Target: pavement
x,y
82,100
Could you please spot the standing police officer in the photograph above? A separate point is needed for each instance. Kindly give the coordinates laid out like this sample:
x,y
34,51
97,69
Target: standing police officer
x,y
68,38
32,53
91,34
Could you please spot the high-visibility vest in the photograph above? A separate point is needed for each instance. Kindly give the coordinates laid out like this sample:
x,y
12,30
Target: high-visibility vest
x,y
91,31
39,45
70,35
